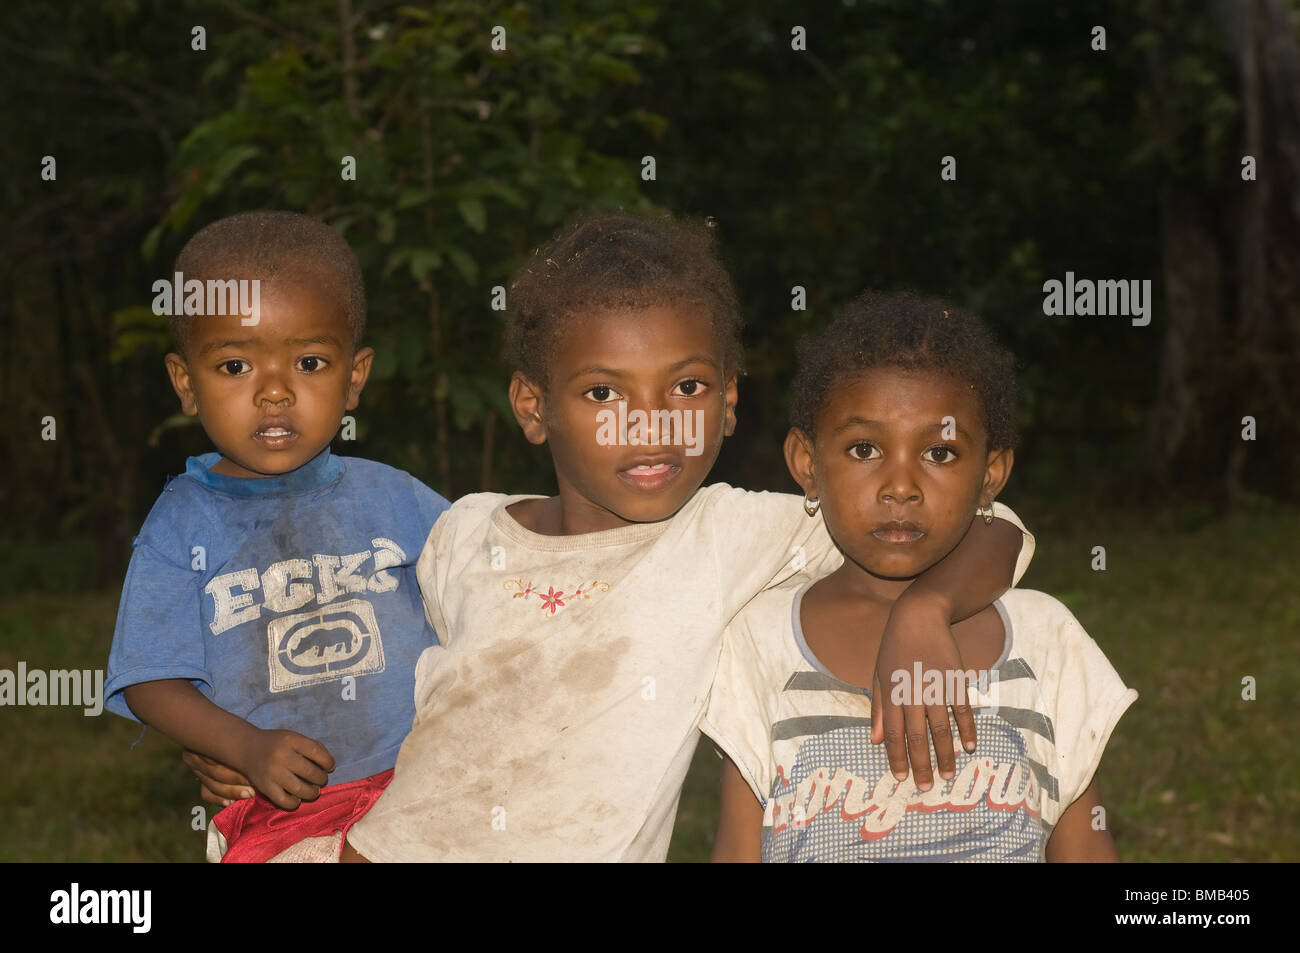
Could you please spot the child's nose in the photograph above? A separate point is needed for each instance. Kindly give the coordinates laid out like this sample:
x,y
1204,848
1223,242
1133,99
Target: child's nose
x,y
899,484
273,387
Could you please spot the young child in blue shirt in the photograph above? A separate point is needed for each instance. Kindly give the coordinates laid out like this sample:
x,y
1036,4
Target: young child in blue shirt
x,y
271,619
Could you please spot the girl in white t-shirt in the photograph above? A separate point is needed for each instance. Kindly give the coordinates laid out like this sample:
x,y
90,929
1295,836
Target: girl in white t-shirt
x,y
579,633
903,423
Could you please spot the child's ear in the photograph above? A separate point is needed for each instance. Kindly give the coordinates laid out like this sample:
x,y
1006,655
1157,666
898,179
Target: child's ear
x,y
730,396
361,362
179,372
799,458
529,405
996,474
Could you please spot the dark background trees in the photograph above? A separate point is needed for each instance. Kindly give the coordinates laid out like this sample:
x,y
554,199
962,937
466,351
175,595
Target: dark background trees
x,y
821,166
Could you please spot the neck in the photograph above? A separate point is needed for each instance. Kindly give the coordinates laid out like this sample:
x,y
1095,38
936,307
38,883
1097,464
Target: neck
x,y
854,582
567,514
575,515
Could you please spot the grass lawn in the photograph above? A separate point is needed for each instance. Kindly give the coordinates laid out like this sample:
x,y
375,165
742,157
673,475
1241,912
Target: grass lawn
x,y
1186,608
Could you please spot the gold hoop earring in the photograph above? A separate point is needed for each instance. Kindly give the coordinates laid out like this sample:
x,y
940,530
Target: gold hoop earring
x,y
986,512
811,506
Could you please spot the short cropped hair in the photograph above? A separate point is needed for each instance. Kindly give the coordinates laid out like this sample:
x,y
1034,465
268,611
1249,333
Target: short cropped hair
x,y
617,260
912,332
270,245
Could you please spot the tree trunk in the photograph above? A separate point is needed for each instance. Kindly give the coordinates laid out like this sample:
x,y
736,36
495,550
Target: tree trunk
x,y
1218,367
1267,343
1188,395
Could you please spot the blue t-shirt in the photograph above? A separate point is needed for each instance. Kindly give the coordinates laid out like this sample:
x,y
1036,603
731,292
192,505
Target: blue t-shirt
x,y
267,593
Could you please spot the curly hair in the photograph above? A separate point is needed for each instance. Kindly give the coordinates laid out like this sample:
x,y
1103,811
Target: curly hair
x,y
617,261
912,332
268,245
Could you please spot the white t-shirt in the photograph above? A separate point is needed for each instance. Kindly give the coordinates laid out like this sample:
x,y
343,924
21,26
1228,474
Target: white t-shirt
x,y
557,719
801,738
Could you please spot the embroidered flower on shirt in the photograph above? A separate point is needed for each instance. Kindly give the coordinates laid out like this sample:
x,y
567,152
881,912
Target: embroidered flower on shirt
x,y
553,599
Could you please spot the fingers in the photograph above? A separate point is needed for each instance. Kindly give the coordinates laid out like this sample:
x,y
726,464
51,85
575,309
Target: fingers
x,y
887,726
877,713
218,784
292,767
287,784
291,791
308,778
965,717
281,798
206,768
313,750
893,732
937,716
907,731
310,762
223,794
233,790
961,710
918,746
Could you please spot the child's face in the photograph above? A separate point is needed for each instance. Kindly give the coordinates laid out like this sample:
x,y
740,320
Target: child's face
x,y
663,358
882,458
271,396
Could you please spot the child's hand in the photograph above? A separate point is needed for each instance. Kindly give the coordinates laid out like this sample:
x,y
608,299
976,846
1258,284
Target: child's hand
x,y
287,767
220,784
918,631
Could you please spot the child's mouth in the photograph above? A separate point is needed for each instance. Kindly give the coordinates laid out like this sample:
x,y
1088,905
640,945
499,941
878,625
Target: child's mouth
x,y
898,532
275,437
649,477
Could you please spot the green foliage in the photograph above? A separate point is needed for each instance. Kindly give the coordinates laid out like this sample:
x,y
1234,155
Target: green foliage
x,y
465,159
137,329
821,168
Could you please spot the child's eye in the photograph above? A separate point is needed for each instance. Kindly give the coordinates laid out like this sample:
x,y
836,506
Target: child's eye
x,y
601,393
310,363
862,451
946,454
234,367
690,388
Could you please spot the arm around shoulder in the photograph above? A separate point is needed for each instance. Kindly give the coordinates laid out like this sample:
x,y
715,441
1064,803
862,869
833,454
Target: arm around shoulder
x,y
988,561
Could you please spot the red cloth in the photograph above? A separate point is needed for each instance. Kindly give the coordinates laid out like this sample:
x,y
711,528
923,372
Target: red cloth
x,y
256,830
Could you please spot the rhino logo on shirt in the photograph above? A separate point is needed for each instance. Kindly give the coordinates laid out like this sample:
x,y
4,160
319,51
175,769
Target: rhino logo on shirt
x,y
321,639
323,646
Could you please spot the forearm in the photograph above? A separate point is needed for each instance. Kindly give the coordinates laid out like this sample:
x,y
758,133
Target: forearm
x,y
973,575
183,714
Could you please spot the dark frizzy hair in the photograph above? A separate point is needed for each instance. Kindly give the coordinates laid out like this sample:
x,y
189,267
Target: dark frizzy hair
x,y
273,245
617,261
911,332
